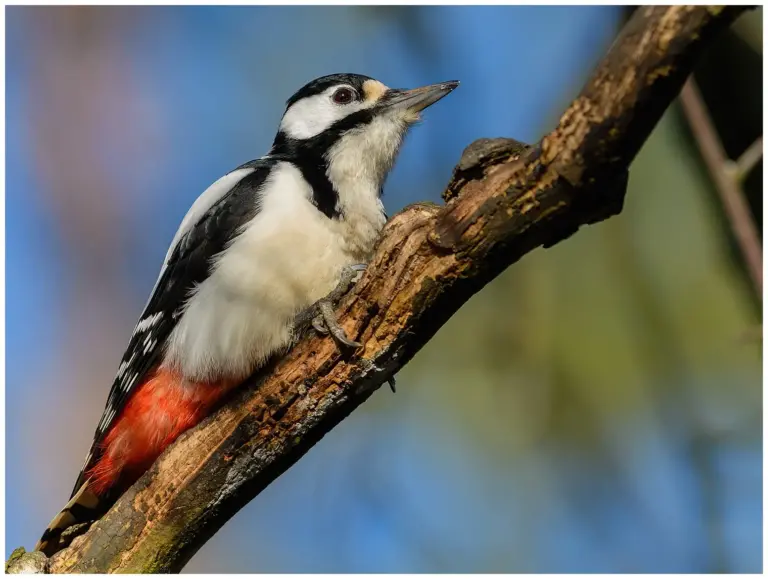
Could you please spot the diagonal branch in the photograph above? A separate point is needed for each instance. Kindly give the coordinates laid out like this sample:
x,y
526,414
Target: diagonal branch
x,y
504,200
727,182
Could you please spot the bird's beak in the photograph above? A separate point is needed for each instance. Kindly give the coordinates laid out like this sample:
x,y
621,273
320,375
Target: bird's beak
x,y
417,99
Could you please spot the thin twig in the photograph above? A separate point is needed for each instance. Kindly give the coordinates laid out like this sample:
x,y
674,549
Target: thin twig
x,y
749,158
727,185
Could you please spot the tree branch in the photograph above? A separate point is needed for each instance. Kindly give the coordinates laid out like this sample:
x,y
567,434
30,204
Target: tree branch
x,y
727,181
504,200
748,160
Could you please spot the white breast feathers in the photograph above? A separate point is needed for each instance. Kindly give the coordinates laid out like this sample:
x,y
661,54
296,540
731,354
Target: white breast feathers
x,y
286,258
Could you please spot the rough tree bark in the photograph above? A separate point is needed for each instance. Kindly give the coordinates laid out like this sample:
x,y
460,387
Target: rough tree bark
x,y
504,200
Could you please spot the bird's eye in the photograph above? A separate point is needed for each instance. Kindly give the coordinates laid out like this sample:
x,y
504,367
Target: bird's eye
x,y
343,96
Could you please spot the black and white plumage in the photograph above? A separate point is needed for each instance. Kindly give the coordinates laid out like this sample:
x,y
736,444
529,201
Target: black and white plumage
x,y
265,242
212,222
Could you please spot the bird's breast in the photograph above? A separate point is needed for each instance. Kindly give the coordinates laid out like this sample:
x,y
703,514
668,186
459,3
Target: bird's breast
x,y
288,257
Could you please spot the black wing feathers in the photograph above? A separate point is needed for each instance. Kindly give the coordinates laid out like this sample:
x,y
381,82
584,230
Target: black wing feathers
x,y
188,265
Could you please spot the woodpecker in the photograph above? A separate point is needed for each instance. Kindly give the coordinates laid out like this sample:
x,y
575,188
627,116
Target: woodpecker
x,y
262,246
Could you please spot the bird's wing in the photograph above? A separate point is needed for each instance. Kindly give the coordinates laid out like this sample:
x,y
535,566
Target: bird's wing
x,y
211,223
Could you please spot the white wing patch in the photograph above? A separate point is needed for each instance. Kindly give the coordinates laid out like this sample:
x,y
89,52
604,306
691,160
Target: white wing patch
x,y
87,460
145,347
106,419
149,344
148,322
125,365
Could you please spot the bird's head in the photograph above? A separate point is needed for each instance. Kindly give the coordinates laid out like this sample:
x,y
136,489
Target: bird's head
x,y
352,125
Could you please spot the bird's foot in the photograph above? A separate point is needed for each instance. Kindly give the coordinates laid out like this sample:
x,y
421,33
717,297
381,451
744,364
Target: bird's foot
x,y
321,314
326,322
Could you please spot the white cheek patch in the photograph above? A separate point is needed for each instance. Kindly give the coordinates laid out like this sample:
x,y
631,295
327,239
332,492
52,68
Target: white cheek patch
x,y
311,116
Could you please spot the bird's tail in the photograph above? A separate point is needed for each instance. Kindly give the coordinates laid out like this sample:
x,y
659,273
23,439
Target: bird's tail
x,y
82,507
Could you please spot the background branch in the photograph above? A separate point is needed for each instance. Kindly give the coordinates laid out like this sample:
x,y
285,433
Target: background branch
x,y
749,159
727,180
504,200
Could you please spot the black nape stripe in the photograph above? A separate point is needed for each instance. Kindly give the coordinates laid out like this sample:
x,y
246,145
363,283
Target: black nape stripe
x,y
310,156
314,168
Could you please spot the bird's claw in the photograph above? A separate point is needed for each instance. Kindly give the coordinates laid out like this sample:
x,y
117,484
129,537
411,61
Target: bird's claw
x,y
319,325
323,318
325,322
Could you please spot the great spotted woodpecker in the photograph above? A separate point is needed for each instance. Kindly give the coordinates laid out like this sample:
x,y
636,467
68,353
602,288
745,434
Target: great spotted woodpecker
x,y
256,250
